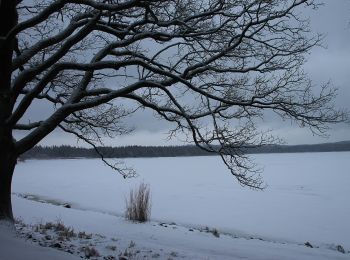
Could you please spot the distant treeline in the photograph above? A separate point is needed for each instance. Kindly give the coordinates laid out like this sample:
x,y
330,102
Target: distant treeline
x,y
65,151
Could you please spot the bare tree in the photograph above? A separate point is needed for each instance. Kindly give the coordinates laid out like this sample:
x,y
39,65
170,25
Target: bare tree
x,y
191,62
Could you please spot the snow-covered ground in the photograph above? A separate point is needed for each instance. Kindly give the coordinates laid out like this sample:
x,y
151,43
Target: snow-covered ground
x,y
306,200
13,248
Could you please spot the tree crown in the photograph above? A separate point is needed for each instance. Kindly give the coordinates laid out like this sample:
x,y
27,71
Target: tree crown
x,y
191,62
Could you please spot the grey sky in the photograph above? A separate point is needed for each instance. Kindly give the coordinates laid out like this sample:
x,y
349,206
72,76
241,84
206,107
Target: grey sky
x,y
324,64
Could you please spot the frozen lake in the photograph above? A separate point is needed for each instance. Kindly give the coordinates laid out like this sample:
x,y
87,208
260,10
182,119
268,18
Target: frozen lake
x,y
307,198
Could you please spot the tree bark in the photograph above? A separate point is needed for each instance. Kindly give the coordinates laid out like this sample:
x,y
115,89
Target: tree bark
x,y
7,165
8,20
8,155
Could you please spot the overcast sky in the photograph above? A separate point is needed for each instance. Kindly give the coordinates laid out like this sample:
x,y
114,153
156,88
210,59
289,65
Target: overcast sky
x,y
324,64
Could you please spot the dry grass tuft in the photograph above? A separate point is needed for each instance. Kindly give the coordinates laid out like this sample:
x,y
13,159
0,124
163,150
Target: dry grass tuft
x,y
138,206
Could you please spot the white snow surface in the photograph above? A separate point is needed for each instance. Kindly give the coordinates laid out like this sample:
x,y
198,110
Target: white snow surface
x,y
306,200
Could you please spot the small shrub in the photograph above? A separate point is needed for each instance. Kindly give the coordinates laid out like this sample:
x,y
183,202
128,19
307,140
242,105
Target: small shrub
x,y
67,233
48,225
90,252
138,206
340,249
126,255
59,226
215,232
308,244
132,244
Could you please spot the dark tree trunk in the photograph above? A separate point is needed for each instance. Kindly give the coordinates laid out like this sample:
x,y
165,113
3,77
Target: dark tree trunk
x,y
8,20
7,166
8,155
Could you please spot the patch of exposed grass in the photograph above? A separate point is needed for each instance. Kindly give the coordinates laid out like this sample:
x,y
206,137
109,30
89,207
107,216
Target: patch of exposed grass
x,y
138,205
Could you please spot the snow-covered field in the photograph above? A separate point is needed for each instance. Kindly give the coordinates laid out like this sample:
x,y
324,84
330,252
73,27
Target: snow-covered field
x,y
306,200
